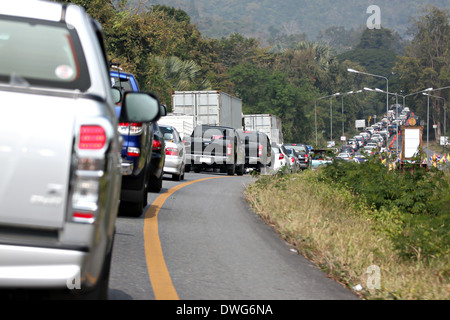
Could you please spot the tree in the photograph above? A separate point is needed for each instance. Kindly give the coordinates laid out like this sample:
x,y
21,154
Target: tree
x,y
182,75
426,62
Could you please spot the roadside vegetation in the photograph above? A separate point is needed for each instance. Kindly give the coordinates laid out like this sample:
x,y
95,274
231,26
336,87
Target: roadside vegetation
x,y
384,234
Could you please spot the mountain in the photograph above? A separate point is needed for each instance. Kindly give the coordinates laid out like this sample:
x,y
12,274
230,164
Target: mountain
x,y
266,19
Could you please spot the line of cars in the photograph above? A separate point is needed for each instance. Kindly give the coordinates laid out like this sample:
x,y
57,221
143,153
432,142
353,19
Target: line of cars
x,y
149,151
292,157
370,141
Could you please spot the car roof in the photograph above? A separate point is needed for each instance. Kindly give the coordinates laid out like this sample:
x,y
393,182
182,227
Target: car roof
x,y
41,10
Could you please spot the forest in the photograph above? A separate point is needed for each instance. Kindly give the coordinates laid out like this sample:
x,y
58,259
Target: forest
x,y
167,51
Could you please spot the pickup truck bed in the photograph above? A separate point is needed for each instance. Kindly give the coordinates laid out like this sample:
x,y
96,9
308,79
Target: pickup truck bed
x,y
215,147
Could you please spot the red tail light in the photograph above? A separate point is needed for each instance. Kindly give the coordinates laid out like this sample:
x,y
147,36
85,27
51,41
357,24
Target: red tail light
x,y
281,156
133,152
229,149
260,150
83,217
92,138
306,157
172,151
292,159
156,145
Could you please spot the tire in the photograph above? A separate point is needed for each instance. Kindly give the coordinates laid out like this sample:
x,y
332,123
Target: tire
x,y
231,169
155,184
100,292
240,170
131,209
179,177
135,209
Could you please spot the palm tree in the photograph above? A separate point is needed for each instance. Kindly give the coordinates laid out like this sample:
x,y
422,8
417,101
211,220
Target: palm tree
x,y
182,75
323,54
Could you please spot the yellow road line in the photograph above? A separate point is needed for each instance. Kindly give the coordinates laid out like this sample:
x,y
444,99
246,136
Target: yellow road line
x,y
156,265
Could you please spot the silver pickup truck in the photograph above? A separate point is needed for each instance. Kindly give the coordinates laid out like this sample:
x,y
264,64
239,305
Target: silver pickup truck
x,y
60,165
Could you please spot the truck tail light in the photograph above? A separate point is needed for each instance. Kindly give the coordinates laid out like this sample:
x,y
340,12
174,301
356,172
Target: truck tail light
x,y
133,128
306,157
171,151
260,150
83,217
229,149
85,195
156,145
133,152
92,138
88,170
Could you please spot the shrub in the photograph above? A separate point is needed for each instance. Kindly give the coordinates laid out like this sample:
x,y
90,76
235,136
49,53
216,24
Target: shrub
x,y
411,205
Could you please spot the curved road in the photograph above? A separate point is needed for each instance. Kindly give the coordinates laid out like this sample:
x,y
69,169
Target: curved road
x,y
199,240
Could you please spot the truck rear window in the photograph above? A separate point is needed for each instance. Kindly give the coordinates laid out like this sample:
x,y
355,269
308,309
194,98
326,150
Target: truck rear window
x,y
40,53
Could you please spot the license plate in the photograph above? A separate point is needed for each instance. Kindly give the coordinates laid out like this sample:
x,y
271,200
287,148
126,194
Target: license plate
x,y
205,160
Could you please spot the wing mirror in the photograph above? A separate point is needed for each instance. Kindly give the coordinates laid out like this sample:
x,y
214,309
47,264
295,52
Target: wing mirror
x,y
140,107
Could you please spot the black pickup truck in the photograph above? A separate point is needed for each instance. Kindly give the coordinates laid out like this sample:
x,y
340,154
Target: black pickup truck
x,y
258,151
215,147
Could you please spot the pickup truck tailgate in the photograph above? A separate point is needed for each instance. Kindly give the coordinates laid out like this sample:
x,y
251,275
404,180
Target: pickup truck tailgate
x,y
35,158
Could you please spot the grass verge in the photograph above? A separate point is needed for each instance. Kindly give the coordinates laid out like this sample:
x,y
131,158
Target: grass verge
x,y
330,226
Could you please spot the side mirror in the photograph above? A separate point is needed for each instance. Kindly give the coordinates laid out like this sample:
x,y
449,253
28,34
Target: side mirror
x,y
140,107
116,95
163,110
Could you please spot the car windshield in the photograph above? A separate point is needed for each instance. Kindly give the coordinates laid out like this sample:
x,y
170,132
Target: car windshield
x,y
41,54
121,83
168,133
207,132
298,148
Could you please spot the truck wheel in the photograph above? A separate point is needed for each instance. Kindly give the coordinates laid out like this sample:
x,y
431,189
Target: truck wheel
x,y
240,170
197,168
231,169
131,209
155,184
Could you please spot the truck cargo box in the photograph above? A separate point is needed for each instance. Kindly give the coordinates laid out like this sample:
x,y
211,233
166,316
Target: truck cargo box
x,y
209,107
267,123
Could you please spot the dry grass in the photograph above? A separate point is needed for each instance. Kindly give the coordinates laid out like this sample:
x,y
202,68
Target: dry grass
x,y
324,227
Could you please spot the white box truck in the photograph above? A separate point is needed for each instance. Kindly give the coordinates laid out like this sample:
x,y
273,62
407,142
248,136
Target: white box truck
x,y
267,123
209,107
183,123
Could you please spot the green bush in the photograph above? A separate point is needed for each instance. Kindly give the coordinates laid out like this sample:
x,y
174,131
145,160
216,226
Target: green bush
x,y
410,205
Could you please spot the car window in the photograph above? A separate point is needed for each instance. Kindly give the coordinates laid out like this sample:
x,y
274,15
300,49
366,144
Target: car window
x,y
170,132
123,84
38,53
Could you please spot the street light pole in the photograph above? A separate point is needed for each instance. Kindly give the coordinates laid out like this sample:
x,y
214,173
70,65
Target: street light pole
x,y
445,114
378,76
428,122
342,101
331,108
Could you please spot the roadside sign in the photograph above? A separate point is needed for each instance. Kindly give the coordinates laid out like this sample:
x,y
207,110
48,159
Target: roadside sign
x,y
412,141
360,123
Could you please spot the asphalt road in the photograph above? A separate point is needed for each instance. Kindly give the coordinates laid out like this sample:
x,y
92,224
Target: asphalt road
x,y
209,245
